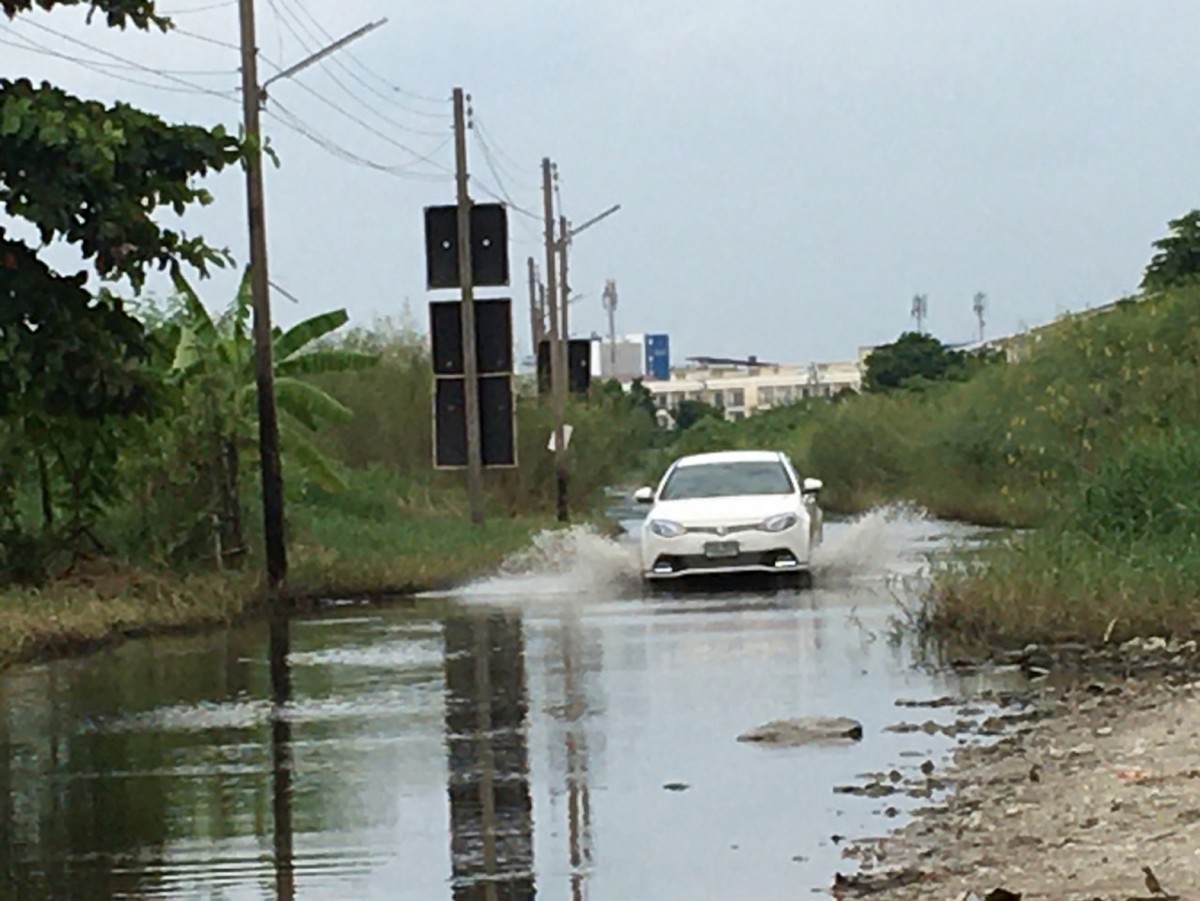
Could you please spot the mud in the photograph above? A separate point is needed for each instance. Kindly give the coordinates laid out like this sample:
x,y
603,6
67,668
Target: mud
x,y
1068,798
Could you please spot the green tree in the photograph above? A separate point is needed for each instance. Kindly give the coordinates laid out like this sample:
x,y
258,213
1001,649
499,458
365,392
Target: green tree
x,y
214,361
1178,258
642,399
910,359
74,365
690,412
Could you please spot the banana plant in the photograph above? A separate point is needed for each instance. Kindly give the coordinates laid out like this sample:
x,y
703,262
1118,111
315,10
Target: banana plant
x,y
218,357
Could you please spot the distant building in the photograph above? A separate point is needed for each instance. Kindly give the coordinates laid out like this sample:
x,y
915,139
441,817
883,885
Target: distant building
x,y
743,387
631,357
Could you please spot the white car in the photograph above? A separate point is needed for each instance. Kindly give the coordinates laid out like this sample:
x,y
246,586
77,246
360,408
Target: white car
x,y
731,512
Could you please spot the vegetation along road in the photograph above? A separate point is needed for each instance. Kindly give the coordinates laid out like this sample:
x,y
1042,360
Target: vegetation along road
x,y
129,482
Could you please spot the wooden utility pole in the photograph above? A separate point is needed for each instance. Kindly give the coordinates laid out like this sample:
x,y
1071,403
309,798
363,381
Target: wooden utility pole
x,y
466,276
264,367
557,376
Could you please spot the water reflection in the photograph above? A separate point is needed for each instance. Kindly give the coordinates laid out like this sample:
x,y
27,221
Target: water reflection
x,y
578,768
456,750
281,754
487,708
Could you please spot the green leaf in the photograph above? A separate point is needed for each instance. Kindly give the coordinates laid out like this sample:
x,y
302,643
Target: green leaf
x,y
319,362
308,331
312,463
309,403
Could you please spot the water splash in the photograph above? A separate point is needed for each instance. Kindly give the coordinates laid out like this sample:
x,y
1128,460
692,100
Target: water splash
x,y
581,565
872,546
577,563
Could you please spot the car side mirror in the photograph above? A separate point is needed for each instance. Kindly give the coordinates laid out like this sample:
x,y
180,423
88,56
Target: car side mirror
x,y
812,486
644,495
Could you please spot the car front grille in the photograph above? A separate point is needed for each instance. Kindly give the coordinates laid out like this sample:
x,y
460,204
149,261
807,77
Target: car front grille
x,y
721,530
698,563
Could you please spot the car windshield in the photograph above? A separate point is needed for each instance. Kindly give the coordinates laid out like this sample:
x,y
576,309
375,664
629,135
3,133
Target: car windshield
x,y
727,480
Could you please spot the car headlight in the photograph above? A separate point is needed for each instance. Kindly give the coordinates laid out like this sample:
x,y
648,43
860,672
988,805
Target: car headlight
x,y
780,523
664,528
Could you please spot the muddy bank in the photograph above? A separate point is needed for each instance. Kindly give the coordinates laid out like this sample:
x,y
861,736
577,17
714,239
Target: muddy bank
x,y
1099,780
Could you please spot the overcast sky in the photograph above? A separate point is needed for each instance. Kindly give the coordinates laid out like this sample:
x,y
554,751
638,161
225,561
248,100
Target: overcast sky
x,y
790,173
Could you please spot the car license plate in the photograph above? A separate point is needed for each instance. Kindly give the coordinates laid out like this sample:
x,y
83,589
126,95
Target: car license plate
x,y
718,550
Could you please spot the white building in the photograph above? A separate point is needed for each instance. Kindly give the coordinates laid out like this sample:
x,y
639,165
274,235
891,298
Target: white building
x,y
744,387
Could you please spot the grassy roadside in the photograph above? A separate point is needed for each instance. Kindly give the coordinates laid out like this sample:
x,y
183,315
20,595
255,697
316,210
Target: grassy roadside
x,y
334,555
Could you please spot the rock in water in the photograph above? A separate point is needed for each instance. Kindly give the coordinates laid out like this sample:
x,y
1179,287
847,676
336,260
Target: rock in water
x,y
806,730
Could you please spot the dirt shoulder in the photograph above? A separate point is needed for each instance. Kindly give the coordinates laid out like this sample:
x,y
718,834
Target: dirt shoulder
x,y
1069,807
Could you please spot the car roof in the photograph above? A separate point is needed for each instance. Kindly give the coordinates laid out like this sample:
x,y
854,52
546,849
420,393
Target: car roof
x,y
739,456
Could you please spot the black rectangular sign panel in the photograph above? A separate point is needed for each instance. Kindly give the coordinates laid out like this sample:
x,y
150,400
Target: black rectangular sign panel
x,y
497,422
493,336
489,246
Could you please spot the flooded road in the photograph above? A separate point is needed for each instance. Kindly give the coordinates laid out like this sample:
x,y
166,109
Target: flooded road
x,y
547,733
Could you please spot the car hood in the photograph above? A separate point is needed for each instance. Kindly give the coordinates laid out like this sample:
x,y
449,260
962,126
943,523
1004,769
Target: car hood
x,y
712,511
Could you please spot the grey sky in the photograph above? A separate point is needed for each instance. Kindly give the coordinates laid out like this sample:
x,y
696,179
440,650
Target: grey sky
x,y
791,173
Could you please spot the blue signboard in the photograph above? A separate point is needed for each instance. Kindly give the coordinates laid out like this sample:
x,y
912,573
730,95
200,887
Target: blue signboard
x,y
658,358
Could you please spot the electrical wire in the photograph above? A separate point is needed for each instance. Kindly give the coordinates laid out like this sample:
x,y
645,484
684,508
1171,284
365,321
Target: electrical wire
x,y
97,65
224,4
362,123
485,132
217,42
190,87
395,88
290,120
503,193
312,48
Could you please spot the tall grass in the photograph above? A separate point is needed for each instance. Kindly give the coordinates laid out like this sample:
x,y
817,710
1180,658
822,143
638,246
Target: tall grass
x,y
1092,438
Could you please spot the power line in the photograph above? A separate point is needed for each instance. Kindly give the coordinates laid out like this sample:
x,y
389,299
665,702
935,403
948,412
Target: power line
x,y
354,75
100,66
290,120
310,49
485,132
503,193
224,4
395,88
195,35
192,86
362,123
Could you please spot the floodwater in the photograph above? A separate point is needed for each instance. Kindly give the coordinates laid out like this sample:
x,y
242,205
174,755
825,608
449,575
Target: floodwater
x,y
509,741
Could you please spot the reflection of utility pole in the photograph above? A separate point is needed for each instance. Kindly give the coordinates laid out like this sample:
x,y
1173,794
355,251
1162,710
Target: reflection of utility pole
x,y
578,801
610,306
486,710
920,309
281,755
980,307
253,100
487,763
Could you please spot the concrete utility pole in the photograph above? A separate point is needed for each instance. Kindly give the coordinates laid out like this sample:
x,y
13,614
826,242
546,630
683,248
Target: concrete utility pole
x,y
557,376
536,325
564,239
466,276
264,367
253,99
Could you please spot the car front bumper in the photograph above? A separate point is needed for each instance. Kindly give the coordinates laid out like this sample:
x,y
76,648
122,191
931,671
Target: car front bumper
x,y
757,552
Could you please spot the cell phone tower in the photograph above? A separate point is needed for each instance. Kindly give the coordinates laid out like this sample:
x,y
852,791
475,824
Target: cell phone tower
x,y
609,300
980,308
920,309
